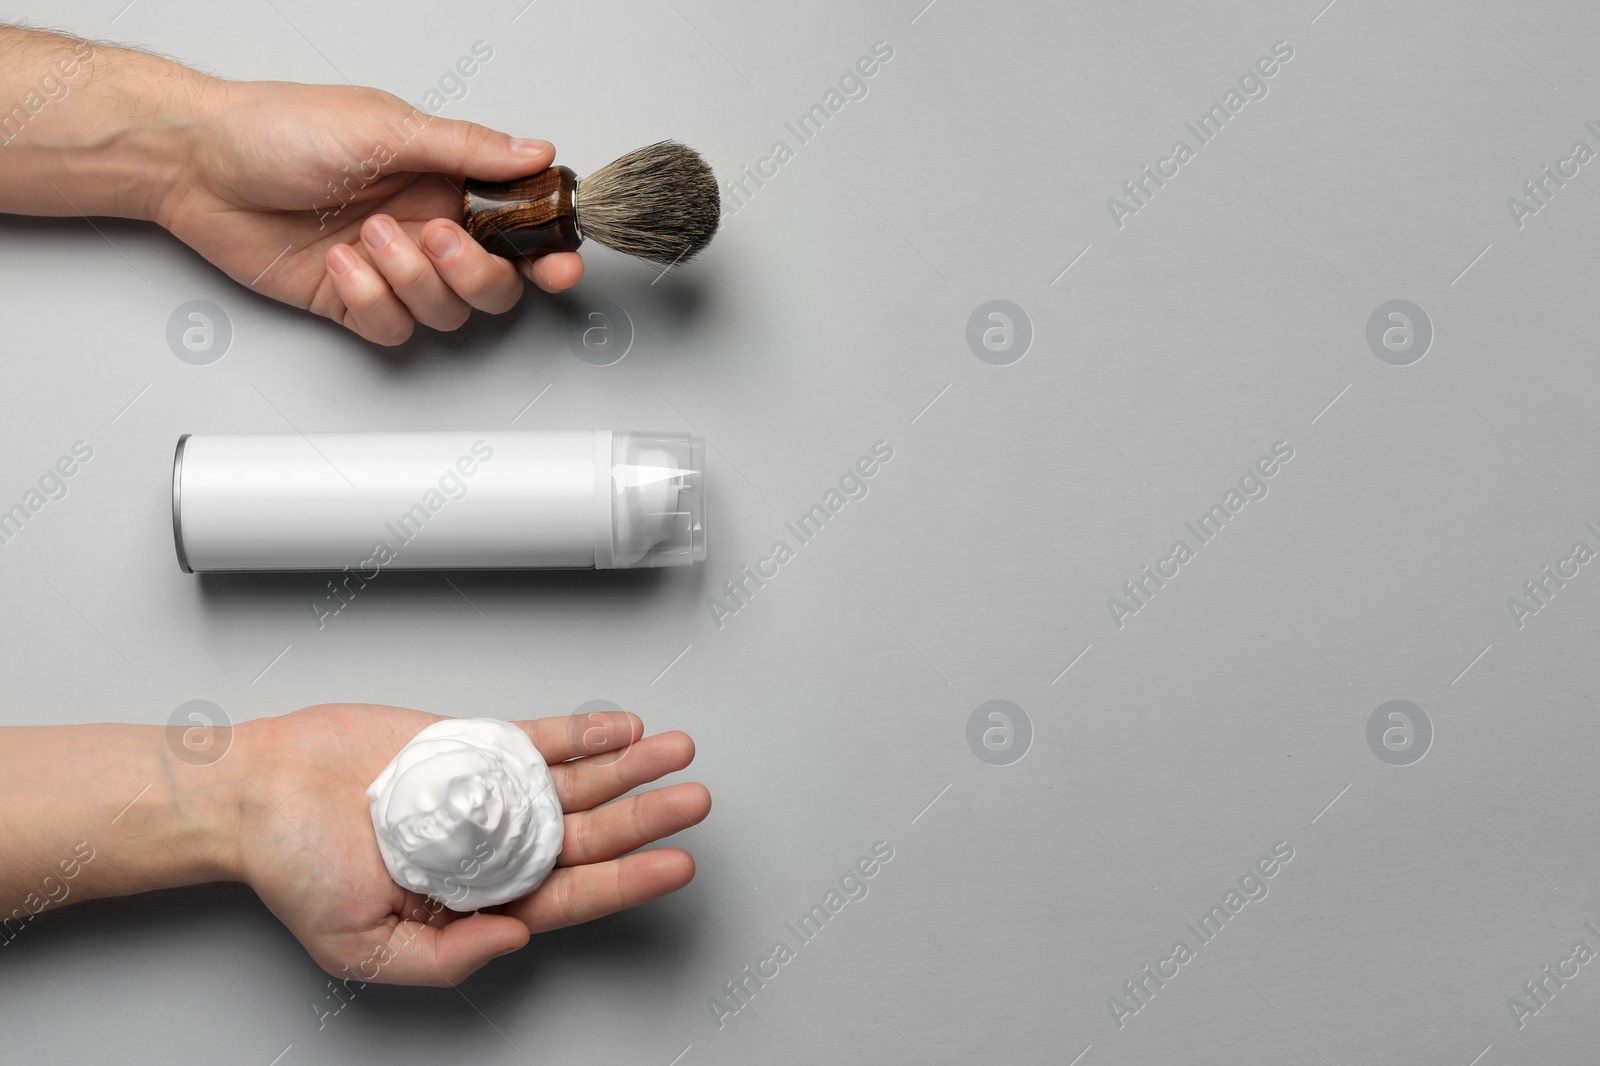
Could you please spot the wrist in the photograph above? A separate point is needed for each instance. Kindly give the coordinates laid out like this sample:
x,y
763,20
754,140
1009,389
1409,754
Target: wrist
x,y
203,808
154,153
113,139
114,810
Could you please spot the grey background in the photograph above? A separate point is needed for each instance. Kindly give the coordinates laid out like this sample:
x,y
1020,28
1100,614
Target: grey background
x,y
832,712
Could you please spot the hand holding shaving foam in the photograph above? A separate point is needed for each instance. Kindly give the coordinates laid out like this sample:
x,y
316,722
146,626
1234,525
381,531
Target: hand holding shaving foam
x,y
301,831
467,814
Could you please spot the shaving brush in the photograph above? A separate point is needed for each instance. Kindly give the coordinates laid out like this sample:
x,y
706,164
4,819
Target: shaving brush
x,y
659,203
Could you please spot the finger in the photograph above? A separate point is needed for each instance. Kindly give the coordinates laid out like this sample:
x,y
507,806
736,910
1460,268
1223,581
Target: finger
x,y
575,894
583,783
411,275
555,272
371,308
418,954
572,735
630,824
449,146
484,281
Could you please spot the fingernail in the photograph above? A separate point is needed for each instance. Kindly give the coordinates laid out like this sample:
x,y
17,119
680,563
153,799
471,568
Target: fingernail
x,y
507,951
341,259
528,146
378,231
441,242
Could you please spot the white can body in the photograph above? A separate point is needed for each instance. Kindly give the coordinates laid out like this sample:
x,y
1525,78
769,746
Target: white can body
x,y
437,500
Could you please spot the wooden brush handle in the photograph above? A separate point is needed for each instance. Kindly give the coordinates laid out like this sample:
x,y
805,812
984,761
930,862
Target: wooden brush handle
x,y
531,216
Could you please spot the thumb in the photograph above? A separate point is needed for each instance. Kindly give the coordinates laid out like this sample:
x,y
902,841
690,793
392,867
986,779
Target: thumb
x,y
430,955
466,149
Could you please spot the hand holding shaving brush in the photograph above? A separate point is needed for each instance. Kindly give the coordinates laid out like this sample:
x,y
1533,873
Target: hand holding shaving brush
x,y
336,199
659,203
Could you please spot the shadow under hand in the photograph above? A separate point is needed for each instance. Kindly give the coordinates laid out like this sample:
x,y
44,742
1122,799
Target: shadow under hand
x,y
476,339
646,940
672,301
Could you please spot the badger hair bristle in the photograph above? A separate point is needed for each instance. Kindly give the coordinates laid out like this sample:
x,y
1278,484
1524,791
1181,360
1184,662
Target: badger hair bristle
x,y
658,203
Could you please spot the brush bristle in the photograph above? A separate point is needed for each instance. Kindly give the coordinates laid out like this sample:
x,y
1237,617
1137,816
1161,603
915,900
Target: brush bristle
x,y
658,203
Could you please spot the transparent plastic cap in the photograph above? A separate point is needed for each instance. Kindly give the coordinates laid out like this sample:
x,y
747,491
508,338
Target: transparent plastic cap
x,y
658,514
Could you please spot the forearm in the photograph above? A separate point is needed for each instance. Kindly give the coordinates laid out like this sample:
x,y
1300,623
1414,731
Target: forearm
x,y
106,810
90,129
